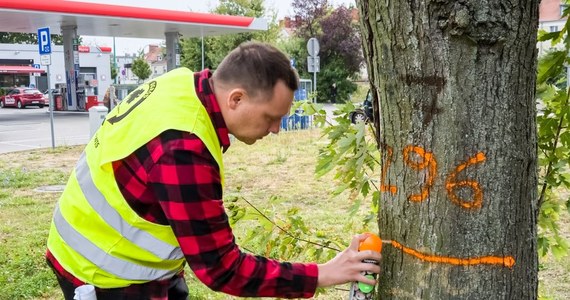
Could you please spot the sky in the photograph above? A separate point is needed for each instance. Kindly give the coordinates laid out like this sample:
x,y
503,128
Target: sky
x,y
132,45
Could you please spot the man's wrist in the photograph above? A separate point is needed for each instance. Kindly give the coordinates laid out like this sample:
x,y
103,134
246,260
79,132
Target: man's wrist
x,y
323,279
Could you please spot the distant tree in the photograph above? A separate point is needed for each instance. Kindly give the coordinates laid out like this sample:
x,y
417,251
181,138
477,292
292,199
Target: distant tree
x,y
341,53
191,53
340,47
27,38
308,13
217,47
141,69
114,71
296,48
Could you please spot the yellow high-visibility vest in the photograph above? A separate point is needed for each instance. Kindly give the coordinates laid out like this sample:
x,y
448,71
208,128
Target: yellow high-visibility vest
x,y
95,235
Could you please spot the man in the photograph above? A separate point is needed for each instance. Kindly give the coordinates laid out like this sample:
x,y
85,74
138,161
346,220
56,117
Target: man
x,y
146,194
110,98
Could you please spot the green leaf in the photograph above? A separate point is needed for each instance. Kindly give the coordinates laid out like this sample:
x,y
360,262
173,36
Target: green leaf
x,y
559,251
346,142
550,65
545,36
543,245
365,188
324,166
310,108
375,201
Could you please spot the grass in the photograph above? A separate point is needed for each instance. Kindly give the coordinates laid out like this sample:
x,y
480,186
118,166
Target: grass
x,y
280,165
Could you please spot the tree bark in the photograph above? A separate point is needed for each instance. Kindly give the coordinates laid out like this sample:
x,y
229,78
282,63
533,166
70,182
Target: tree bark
x,y
454,86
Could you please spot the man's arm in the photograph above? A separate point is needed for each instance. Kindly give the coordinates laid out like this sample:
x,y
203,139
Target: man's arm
x,y
186,181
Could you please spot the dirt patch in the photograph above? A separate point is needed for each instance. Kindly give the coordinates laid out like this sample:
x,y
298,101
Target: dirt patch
x,y
60,158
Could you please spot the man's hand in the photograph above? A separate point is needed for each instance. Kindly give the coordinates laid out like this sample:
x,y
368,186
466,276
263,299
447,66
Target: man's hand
x,y
347,266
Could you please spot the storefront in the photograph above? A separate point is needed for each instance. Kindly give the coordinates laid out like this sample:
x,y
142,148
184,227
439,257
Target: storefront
x,y
20,66
18,75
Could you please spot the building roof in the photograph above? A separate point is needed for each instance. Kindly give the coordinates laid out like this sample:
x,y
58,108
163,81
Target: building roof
x,y
154,54
550,10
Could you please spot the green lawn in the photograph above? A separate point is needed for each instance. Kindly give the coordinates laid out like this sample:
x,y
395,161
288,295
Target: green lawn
x,y
279,165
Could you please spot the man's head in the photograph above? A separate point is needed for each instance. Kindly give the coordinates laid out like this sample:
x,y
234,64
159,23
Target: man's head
x,y
254,87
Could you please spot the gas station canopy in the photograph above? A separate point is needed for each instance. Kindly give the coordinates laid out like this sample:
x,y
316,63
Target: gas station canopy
x,y
117,20
72,18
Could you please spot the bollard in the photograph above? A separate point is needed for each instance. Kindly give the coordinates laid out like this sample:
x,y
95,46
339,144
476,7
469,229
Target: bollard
x,y
97,116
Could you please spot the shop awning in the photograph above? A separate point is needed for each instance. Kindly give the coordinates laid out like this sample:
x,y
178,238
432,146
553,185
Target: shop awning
x,y
19,70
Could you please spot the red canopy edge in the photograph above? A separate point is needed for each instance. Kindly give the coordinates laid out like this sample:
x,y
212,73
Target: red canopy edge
x,y
19,70
120,11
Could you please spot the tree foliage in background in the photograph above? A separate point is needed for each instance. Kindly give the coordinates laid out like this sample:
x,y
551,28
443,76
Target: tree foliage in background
x,y
141,69
217,47
308,14
340,47
114,71
28,38
341,54
553,139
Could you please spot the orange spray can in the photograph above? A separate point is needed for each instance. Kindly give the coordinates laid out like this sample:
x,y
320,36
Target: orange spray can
x,y
359,290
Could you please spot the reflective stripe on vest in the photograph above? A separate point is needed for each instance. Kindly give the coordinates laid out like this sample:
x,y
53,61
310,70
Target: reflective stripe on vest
x,y
113,265
139,237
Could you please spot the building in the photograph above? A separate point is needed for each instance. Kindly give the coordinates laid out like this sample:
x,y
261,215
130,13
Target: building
x,y
550,20
154,56
125,73
94,68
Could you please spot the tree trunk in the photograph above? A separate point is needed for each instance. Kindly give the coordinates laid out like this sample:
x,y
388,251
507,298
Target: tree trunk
x,y
454,86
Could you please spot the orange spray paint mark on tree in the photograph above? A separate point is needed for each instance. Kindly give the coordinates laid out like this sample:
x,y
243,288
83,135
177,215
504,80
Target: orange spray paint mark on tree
x,y
505,261
451,184
427,161
383,187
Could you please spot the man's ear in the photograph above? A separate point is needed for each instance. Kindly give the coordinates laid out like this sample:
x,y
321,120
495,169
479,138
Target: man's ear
x,y
235,97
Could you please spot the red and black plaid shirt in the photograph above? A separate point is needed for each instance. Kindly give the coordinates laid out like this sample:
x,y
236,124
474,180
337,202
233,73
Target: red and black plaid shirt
x,y
175,180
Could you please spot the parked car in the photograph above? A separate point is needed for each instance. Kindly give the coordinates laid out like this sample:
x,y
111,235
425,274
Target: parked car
x,y
22,97
364,112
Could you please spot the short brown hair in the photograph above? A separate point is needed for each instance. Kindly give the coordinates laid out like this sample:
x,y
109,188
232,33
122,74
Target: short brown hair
x,y
257,67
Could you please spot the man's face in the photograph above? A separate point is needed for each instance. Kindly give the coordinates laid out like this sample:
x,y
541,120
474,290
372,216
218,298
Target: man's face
x,y
254,118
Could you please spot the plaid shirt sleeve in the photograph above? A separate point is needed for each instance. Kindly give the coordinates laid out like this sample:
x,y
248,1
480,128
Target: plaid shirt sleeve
x,y
186,181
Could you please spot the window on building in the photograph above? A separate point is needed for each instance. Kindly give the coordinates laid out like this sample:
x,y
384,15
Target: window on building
x,y
553,28
563,8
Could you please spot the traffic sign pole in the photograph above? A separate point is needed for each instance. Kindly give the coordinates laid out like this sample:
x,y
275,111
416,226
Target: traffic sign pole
x,y
313,62
51,106
44,44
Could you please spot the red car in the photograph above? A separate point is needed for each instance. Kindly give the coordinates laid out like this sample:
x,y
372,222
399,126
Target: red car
x,y
22,97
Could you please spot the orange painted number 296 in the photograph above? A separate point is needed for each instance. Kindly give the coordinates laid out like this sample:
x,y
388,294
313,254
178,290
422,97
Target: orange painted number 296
x,y
419,159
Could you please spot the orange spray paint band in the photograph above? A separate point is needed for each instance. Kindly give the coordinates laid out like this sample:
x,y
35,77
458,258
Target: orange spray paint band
x,y
506,261
373,242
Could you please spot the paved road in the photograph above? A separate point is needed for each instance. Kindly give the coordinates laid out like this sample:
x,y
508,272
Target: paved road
x,y
29,128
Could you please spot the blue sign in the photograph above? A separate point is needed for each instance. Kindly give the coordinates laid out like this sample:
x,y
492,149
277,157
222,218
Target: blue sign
x,y
44,40
300,94
36,66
